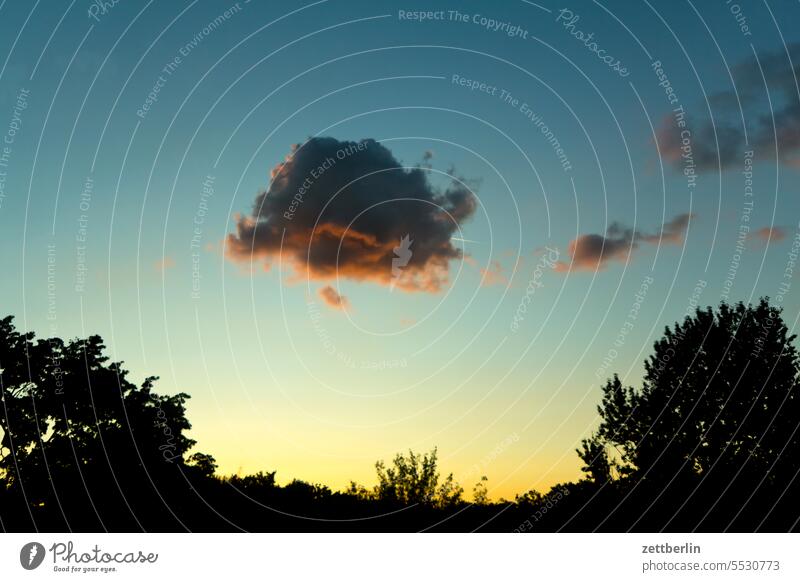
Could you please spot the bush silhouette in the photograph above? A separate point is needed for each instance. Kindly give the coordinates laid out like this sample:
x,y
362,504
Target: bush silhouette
x,y
414,479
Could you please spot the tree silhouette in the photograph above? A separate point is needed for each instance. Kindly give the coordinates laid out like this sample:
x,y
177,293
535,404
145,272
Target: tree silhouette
x,y
414,479
79,441
480,493
717,413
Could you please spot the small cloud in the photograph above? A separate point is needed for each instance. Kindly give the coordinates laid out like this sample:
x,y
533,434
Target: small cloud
x,y
769,233
493,275
332,299
672,231
162,265
591,252
500,271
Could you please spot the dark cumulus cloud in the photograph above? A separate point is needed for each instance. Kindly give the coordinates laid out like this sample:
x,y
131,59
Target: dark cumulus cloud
x,y
782,77
341,208
591,252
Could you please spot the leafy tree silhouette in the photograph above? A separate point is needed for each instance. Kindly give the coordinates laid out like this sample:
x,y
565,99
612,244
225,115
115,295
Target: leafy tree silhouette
x,y
715,421
414,479
480,493
80,443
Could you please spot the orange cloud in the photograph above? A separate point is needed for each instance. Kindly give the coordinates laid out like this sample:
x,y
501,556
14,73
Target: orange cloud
x,y
591,252
769,233
493,275
332,299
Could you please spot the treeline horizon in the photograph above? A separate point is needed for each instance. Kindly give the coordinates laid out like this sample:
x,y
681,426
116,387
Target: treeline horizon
x,y
708,442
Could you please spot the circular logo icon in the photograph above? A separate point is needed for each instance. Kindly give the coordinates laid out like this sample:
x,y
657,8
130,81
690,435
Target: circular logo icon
x,y
31,555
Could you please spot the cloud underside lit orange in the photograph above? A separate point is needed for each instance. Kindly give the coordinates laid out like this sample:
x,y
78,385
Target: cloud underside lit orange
x,y
330,253
350,210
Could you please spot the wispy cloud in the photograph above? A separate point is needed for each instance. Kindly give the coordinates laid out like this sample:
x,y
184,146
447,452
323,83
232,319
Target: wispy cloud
x,y
592,252
769,233
163,264
770,123
493,275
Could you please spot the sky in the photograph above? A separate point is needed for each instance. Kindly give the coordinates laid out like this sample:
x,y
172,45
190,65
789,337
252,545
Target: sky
x,y
348,229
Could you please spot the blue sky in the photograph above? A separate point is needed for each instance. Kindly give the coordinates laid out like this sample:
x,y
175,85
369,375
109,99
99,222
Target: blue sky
x,y
407,369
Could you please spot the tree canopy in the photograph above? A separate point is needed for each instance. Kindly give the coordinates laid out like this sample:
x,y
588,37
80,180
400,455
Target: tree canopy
x,y
75,429
717,411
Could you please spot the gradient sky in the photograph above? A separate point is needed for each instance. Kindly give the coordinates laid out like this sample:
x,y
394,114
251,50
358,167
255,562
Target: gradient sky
x,y
267,390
